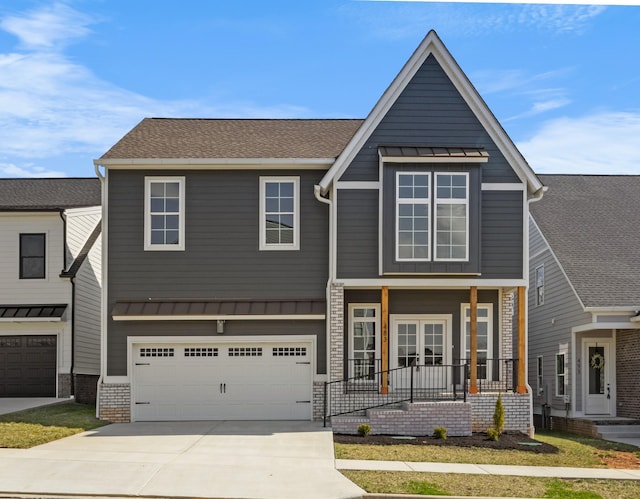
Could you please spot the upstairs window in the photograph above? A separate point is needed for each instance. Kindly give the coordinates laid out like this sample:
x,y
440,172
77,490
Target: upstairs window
x,y
164,213
452,216
540,285
32,256
279,213
417,231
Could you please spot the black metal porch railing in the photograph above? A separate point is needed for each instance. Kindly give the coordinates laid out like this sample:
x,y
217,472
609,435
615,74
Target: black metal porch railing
x,y
496,374
404,384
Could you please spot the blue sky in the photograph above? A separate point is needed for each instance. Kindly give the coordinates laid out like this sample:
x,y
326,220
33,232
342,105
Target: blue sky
x,y
76,75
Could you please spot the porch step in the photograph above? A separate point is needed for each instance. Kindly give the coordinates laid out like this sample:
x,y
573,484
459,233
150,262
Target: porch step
x,y
610,431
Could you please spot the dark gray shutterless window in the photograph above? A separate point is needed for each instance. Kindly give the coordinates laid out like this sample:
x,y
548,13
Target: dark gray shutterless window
x,y
32,256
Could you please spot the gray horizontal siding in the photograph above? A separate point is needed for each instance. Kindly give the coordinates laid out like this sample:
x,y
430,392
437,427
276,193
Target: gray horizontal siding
x,y
502,235
357,233
550,324
429,112
119,331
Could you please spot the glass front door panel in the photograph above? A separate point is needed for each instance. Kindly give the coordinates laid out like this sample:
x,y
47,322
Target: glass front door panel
x,y
596,370
407,344
433,340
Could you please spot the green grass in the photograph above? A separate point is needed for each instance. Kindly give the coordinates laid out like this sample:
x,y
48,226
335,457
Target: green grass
x,y
25,429
574,451
387,482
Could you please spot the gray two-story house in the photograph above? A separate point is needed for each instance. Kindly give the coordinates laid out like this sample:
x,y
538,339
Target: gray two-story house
x,y
299,269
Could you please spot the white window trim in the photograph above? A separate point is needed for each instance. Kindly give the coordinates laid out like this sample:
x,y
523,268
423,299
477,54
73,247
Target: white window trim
x,y
564,375
426,201
295,246
540,374
434,222
463,329
147,215
539,301
375,320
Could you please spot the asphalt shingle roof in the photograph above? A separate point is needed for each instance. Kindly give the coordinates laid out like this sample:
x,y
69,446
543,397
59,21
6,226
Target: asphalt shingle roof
x,y
48,193
234,138
592,223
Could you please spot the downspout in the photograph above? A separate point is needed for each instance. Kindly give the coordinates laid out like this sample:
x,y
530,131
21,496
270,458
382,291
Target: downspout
x,y
327,201
96,168
72,385
534,198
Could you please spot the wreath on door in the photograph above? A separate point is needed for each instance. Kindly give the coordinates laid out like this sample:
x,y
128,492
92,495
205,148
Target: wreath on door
x,y
597,361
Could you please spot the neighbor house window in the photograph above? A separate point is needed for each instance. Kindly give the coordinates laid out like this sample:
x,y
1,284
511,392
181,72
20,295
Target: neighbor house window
x,y
539,378
561,374
413,209
418,231
279,213
32,256
364,340
452,216
540,285
484,334
164,213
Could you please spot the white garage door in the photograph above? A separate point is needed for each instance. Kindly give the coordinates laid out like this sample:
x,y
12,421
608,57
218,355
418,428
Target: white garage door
x,y
249,381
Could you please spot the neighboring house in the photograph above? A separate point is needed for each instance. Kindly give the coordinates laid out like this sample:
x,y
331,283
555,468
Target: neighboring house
x,y
251,261
50,257
584,300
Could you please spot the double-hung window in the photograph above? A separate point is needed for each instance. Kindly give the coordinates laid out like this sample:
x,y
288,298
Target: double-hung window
x,y
452,216
540,285
364,340
164,213
421,236
32,256
561,374
279,213
484,335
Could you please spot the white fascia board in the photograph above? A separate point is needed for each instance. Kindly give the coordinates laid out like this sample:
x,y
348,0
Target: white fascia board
x,y
372,185
440,283
610,310
635,319
217,163
488,186
87,210
433,45
31,319
608,326
217,317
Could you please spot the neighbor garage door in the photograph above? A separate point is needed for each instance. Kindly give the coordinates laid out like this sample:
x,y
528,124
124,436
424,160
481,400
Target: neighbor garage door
x,y
250,381
28,366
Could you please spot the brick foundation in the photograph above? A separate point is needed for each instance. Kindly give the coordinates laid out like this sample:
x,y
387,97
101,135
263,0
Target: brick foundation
x,y
336,332
85,386
583,427
64,386
627,368
517,411
115,402
318,400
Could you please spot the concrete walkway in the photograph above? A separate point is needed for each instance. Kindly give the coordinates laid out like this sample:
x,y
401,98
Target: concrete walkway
x,y
489,469
15,404
240,459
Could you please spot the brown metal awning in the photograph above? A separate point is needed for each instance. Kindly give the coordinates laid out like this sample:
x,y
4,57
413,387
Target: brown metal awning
x,y
218,309
433,154
18,313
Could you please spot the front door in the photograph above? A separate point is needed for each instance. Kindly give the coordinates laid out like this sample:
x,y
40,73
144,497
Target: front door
x,y
421,345
597,377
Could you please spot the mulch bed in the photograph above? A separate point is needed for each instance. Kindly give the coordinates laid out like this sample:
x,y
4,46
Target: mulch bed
x,y
508,440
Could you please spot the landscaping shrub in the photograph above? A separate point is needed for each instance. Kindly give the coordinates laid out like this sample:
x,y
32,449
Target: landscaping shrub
x,y
440,432
364,429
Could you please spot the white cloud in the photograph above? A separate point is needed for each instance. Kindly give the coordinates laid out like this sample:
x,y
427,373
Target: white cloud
x,y
28,170
602,143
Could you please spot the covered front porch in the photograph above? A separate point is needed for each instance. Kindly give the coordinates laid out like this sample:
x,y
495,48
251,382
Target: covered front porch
x,y
408,360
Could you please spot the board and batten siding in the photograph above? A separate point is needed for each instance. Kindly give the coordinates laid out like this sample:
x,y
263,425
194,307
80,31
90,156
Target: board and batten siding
x,y
429,112
550,324
88,289
221,259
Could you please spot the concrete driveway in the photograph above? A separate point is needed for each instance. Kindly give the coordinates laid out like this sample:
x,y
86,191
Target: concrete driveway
x,y
15,404
240,459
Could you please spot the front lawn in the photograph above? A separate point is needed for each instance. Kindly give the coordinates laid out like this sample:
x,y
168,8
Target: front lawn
x,y
24,429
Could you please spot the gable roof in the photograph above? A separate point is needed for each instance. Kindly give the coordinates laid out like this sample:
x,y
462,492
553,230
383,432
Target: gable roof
x,y
591,223
209,139
43,194
432,45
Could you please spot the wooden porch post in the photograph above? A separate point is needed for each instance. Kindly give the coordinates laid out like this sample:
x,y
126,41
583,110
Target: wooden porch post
x,y
384,336
473,339
522,296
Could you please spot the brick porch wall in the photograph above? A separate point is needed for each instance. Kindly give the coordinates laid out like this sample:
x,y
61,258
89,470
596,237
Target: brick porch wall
x,y
64,386
85,386
627,369
517,411
115,402
336,331
318,401
506,324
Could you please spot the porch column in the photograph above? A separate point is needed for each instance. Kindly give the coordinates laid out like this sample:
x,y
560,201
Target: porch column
x,y
522,296
384,337
473,339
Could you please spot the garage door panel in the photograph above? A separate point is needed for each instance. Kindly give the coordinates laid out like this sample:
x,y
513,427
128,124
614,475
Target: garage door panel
x,y
28,366
235,381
